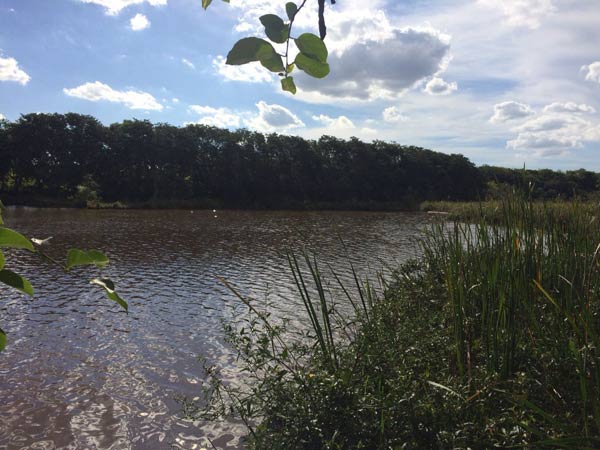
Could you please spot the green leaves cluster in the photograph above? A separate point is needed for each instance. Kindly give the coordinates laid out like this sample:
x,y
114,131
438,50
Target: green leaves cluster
x,y
312,51
14,240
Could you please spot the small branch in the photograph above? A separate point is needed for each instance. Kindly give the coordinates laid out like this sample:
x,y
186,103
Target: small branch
x,y
322,27
287,44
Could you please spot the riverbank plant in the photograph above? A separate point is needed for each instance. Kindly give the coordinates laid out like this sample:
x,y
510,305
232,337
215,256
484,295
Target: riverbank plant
x,y
490,340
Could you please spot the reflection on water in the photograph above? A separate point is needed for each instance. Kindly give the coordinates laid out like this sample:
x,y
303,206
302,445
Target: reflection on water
x,y
79,373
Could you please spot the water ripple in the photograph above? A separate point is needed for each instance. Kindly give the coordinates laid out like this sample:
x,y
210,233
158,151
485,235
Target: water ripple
x,y
79,373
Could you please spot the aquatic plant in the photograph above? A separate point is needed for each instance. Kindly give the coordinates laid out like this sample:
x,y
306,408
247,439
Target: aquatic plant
x,y
490,340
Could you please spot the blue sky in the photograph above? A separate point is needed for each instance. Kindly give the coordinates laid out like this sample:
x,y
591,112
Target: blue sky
x,y
505,83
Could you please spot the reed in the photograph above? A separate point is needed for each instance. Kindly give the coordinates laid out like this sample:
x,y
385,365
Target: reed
x,y
524,293
490,340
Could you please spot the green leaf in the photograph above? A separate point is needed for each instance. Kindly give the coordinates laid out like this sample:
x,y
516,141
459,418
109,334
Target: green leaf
x,y
248,50
287,84
274,64
206,3
290,68
1,260
2,340
291,9
311,66
275,28
76,257
12,239
16,281
312,46
109,288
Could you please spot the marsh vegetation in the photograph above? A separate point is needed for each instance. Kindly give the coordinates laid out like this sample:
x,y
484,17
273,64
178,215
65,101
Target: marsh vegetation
x,y
490,340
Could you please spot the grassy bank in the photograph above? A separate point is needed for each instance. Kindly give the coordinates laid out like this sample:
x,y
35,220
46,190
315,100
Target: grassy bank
x,y
491,340
492,210
158,203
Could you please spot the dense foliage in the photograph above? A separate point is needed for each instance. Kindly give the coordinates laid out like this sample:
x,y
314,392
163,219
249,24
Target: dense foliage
x,y
489,341
74,159
543,184
72,156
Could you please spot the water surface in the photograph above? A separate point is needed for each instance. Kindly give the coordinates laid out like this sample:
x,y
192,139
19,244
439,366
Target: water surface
x,y
79,373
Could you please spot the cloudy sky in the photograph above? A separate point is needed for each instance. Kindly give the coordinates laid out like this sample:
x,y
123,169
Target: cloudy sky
x,y
509,82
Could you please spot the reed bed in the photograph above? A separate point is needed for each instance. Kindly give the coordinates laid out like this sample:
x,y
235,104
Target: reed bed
x,y
490,340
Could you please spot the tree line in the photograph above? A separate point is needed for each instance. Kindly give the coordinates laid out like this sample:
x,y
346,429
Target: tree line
x,y
56,158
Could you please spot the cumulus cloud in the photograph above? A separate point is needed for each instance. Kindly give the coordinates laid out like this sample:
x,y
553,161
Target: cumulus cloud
x,y
188,63
522,13
114,7
383,69
269,118
10,71
511,110
545,144
274,118
341,122
437,86
2,117
393,115
556,130
98,91
251,10
550,122
139,22
569,107
592,71
216,117
369,57
251,73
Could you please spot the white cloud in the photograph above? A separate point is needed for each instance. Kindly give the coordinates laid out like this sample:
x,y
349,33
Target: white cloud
x,y
341,122
216,117
437,86
175,100
188,63
592,71
393,115
551,122
250,73
114,7
385,68
10,71
569,107
369,57
274,118
545,144
99,91
522,13
2,117
269,118
139,22
358,24
511,110
555,131
251,10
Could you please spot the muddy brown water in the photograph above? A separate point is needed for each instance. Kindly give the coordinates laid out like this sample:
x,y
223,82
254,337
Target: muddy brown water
x,y
80,374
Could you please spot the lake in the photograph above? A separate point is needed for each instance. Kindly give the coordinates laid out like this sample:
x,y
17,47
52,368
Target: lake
x,y
80,373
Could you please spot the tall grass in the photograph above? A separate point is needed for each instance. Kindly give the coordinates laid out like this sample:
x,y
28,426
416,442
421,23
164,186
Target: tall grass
x,y
524,293
490,340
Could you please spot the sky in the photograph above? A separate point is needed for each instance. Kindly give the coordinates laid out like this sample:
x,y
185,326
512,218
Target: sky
x,y
511,83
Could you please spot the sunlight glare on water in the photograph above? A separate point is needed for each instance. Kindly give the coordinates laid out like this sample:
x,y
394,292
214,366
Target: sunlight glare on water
x,y
79,373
